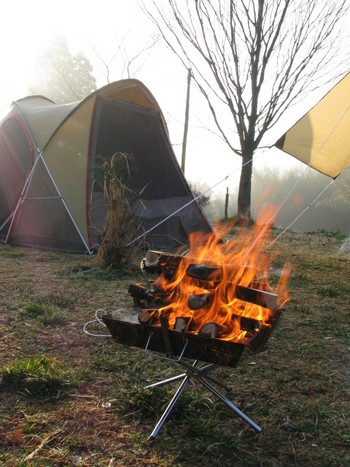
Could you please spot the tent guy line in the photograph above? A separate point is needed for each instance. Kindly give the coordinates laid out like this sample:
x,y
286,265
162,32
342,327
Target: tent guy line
x,y
302,212
187,204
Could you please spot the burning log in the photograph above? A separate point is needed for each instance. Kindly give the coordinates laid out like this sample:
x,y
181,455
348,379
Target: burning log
x,y
259,343
160,263
197,301
211,330
250,327
139,293
182,323
151,295
148,316
249,324
205,272
258,297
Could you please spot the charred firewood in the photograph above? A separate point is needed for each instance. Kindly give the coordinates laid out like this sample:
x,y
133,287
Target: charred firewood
x,y
211,330
143,296
148,316
205,272
197,301
139,294
160,263
182,323
249,324
259,343
258,297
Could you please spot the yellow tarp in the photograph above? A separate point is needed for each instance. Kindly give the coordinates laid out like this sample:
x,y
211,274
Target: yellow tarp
x,y
321,138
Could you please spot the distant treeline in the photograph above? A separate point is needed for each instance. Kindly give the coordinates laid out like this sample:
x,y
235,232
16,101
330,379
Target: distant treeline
x,y
297,191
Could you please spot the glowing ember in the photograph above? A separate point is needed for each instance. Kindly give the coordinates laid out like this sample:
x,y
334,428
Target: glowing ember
x,y
204,287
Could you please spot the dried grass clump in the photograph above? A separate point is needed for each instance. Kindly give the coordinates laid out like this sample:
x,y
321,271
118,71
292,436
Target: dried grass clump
x,y
122,226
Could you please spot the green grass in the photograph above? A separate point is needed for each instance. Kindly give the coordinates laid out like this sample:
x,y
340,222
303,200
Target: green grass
x,y
48,313
331,233
38,376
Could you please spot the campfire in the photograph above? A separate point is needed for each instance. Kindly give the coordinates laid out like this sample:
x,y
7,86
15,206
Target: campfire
x,y
209,305
217,297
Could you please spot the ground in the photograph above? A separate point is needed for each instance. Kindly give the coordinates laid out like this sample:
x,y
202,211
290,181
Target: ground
x,y
99,413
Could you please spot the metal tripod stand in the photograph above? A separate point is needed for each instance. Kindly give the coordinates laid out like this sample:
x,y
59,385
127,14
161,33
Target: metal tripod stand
x,y
199,373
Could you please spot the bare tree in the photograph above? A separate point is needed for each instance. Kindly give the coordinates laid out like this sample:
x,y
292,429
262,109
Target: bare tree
x,y
128,67
252,59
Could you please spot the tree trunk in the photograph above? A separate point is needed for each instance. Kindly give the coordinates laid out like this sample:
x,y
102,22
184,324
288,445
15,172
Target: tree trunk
x,y
244,192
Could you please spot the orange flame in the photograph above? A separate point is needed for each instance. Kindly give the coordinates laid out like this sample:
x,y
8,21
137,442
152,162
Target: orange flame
x,y
240,261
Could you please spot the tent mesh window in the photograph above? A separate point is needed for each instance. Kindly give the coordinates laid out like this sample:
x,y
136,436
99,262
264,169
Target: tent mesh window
x,y
127,128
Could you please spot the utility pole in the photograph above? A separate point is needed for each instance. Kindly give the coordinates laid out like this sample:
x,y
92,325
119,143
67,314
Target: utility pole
x,y
226,203
187,112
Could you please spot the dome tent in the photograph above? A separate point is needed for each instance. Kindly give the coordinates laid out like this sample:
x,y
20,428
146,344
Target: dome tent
x,y
49,195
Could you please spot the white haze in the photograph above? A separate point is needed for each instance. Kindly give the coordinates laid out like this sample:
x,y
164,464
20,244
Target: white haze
x,y
27,28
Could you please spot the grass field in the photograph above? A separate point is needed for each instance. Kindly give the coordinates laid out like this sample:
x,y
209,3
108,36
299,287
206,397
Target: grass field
x,y
72,399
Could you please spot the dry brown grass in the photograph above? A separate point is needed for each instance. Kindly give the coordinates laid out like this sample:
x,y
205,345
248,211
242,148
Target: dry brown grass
x,y
298,391
122,225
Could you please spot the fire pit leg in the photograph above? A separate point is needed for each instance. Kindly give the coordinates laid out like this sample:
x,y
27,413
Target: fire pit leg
x,y
198,374
170,407
166,381
229,404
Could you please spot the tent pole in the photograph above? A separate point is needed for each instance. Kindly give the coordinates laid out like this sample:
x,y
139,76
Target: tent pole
x,y
24,194
65,205
21,198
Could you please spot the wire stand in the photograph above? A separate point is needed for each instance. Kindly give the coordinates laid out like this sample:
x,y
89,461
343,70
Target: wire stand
x,y
199,373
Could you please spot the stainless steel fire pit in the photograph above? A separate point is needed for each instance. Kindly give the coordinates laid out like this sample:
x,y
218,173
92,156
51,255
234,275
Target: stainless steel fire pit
x,y
149,325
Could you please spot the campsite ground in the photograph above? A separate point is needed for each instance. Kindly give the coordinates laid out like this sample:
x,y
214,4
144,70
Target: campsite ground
x,y
95,410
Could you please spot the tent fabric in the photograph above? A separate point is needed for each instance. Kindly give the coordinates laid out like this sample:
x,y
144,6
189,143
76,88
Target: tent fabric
x,y
51,192
320,138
